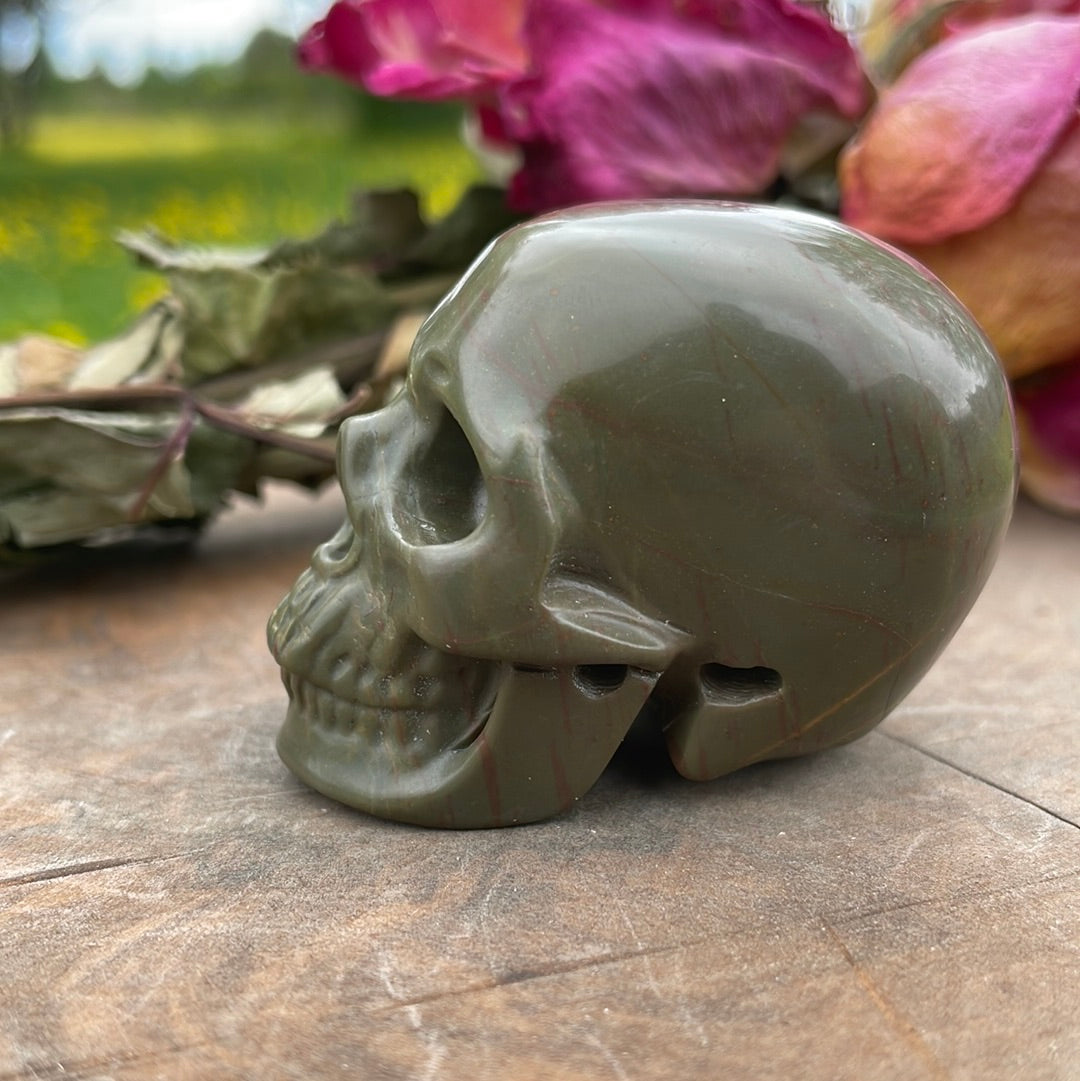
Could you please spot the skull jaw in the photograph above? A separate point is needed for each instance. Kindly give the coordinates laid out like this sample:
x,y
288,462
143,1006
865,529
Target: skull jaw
x,y
544,744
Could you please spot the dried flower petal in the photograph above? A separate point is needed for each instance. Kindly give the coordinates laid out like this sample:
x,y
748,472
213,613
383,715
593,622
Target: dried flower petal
x,y
1048,419
1020,274
892,32
423,49
650,98
953,143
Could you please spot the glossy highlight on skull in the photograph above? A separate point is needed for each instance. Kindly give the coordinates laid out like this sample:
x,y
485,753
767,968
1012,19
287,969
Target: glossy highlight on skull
x,y
739,465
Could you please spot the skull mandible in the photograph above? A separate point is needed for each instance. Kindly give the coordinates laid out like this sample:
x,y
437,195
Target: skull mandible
x,y
740,465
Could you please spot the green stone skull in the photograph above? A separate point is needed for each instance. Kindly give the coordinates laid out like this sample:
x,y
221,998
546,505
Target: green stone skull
x,y
740,468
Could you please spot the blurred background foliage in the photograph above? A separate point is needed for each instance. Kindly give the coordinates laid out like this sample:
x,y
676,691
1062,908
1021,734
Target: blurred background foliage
x,y
241,154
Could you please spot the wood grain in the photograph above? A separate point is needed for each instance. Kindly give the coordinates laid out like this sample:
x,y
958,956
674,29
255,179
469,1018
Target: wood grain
x,y
173,904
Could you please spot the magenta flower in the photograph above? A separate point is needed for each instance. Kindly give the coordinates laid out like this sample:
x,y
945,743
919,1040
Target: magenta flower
x,y
608,100
658,98
1048,419
424,49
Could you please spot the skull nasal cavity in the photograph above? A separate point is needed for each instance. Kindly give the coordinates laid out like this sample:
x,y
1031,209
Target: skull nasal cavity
x,y
739,686
441,496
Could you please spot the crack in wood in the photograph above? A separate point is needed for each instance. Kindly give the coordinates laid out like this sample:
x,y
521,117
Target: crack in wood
x,y
907,1032
88,867
1064,819
539,973
69,1069
841,916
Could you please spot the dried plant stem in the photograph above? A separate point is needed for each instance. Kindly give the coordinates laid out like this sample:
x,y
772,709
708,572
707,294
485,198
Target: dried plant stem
x,y
230,420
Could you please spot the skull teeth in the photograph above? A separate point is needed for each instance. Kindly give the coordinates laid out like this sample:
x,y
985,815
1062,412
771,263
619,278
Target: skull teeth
x,y
404,736
364,685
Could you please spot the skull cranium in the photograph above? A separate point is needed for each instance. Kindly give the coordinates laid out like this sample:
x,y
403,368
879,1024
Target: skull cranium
x,y
743,464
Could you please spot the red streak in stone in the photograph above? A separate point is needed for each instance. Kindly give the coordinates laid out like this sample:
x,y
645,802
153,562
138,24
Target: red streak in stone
x,y
564,702
898,470
921,447
491,777
562,786
703,761
513,482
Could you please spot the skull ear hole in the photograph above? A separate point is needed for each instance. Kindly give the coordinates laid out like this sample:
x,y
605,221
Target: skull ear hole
x,y
729,686
596,680
442,497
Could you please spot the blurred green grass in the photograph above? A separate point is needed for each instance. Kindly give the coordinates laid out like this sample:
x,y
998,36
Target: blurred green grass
x,y
198,178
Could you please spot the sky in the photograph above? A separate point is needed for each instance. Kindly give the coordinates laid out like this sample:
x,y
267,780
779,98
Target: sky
x,y
124,37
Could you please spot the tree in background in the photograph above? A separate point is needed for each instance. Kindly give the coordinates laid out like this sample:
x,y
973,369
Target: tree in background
x,y
20,58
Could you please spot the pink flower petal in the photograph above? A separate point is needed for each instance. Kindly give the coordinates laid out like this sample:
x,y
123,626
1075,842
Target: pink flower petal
x,y
313,52
956,17
951,145
1051,403
789,28
423,49
1048,417
661,99
891,33
982,11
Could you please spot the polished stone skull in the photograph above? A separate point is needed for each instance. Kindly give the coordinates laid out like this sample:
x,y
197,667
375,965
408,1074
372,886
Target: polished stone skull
x,y
739,470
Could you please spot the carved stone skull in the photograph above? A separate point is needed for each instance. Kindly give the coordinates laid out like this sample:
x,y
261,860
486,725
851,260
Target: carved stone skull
x,y
741,465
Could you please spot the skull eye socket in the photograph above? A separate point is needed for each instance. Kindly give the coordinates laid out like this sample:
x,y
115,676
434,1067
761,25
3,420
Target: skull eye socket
x,y
729,686
442,497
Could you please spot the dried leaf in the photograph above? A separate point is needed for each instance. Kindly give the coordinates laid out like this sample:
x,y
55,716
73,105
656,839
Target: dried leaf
x,y
67,473
243,372
385,223
36,363
148,350
302,406
394,358
454,242
239,310
9,372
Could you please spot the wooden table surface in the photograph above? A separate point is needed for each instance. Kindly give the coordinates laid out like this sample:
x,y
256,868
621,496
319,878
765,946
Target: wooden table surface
x,y
174,904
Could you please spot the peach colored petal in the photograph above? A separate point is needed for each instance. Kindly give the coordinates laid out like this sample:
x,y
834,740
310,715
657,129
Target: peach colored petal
x,y
955,140
1020,275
